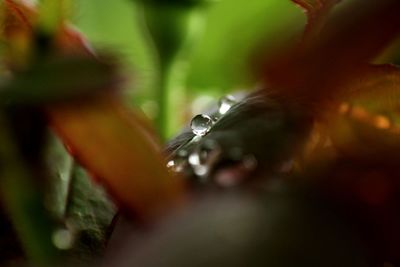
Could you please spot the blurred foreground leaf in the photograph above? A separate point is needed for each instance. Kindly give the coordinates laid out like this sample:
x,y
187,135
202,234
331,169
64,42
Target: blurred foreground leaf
x,y
117,149
59,78
314,70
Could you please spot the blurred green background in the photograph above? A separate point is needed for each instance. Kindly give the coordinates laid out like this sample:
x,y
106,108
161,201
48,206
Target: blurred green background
x,y
176,53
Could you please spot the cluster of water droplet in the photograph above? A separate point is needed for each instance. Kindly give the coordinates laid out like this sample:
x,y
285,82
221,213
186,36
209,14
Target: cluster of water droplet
x,y
201,159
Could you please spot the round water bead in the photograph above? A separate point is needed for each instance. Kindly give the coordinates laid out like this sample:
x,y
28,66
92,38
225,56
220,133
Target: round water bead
x,y
176,165
225,104
201,124
204,158
170,164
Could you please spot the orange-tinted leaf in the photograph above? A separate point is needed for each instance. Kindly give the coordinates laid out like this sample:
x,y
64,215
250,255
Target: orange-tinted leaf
x,y
112,143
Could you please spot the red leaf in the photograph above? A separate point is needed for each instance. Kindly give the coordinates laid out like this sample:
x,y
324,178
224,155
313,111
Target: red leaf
x,y
353,34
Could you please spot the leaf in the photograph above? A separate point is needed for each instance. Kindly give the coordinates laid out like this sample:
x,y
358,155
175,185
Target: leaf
x,y
89,214
114,146
354,34
59,79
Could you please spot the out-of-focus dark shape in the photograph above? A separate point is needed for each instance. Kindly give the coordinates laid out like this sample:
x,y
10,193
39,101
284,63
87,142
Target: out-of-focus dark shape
x,y
282,226
352,35
330,73
114,143
59,79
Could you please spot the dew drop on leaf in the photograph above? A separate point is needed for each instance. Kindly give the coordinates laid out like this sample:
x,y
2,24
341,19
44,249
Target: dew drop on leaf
x,y
225,104
204,158
170,164
201,125
177,164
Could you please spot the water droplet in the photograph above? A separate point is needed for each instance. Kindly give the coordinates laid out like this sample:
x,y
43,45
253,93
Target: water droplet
x,y
63,238
176,165
194,159
170,164
198,165
201,171
225,104
204,158
201,124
